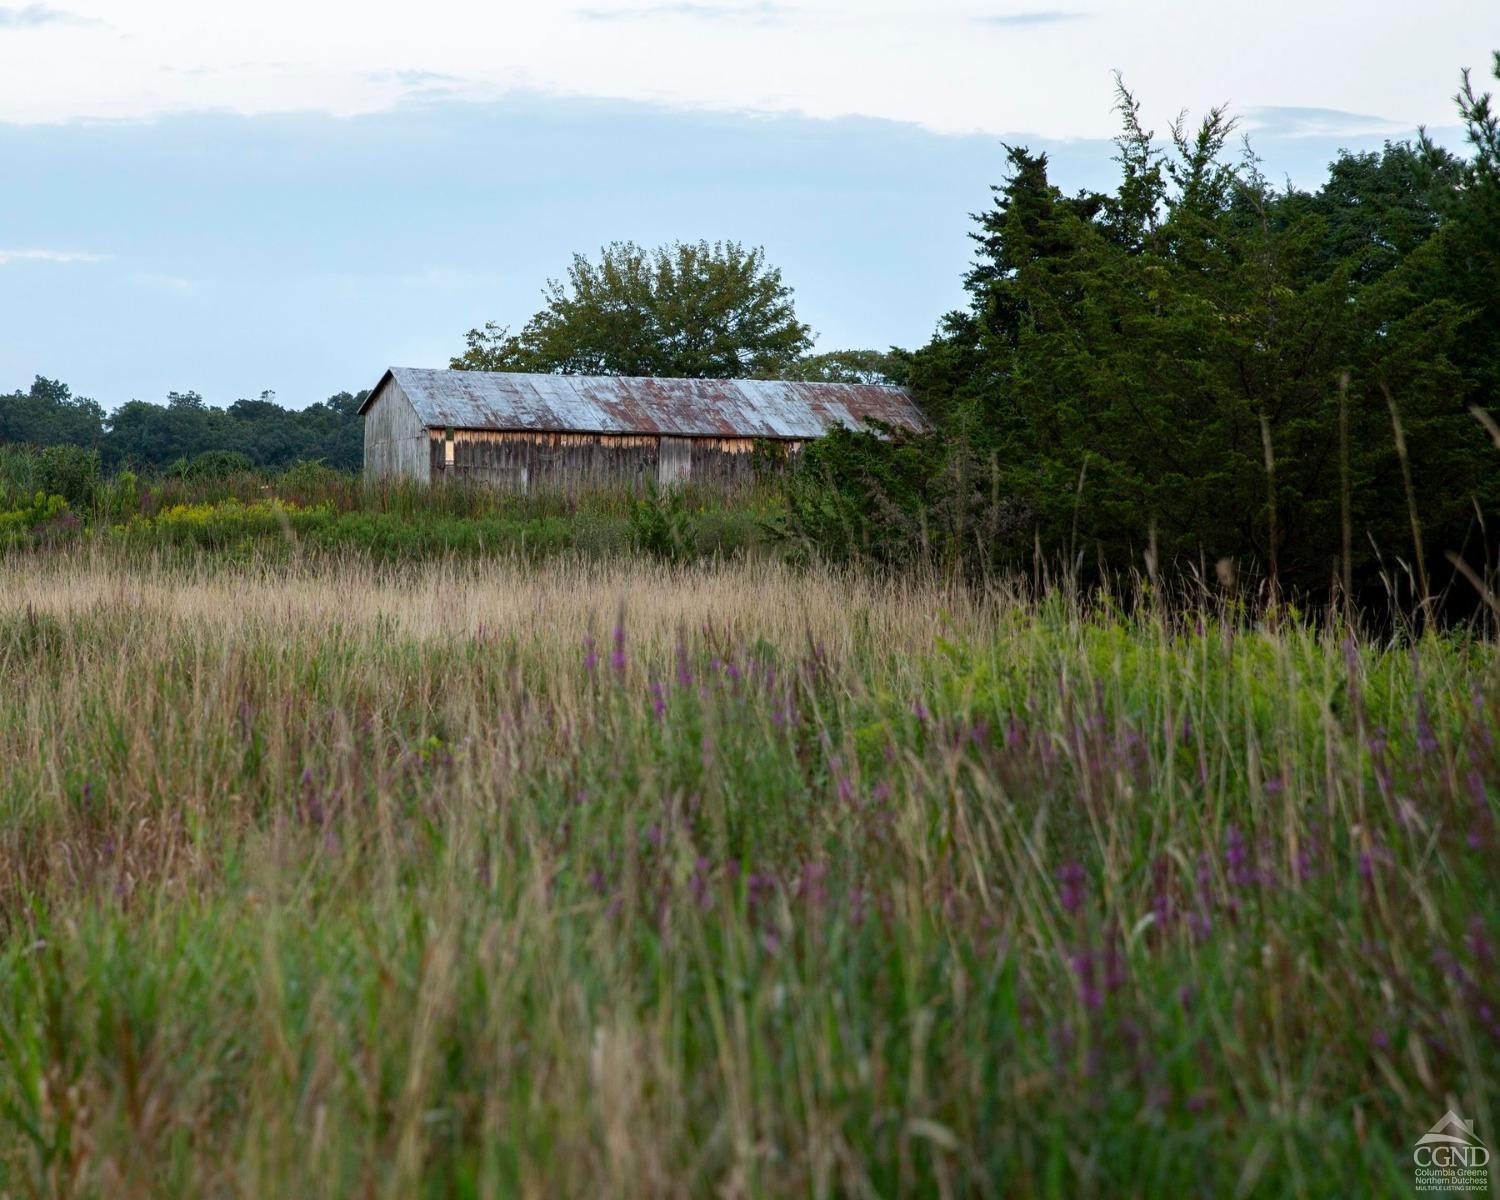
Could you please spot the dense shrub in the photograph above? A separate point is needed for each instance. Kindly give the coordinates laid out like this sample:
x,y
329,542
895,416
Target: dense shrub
x,y
19,478
212,464
45,520
71,472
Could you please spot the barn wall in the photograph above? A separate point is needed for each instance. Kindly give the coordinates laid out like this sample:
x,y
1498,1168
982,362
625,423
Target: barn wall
x,y
545,461
573,461
733,462
395,441
674,461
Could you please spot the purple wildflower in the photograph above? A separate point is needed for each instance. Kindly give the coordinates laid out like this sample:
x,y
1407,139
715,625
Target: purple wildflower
x,y
1083,967
617,655
1427,740
812,887
1479,945
1073,886
1236,862
698,883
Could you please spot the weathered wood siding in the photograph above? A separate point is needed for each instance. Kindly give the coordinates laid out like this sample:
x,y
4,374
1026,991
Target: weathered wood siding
x,y
395,442
572,461
732,462
674,461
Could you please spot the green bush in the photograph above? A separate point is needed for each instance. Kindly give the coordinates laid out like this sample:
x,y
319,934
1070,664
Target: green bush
x,y
119,498
71,472
228,525
862,495
18,475
213,464
659,524
45,520
309,474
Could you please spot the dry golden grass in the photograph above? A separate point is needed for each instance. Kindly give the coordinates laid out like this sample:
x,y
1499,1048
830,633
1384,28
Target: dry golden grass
x,y
557,602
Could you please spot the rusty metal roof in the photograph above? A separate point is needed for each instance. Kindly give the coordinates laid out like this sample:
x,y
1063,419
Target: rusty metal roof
x,y
728,408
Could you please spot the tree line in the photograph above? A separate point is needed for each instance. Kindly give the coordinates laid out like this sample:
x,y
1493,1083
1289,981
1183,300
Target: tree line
x,y
186,433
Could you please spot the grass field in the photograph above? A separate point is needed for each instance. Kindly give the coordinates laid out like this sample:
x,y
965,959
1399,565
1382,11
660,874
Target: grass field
x,y
612,879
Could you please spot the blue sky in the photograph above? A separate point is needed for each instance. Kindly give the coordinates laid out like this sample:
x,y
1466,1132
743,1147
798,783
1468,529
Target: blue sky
x,y
218,240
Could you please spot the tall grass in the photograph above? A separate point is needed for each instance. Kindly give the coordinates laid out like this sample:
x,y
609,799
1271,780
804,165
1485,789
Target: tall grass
x,y
608,878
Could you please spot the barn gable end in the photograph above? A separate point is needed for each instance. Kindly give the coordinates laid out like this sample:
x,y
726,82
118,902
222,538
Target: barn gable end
x,y
396,442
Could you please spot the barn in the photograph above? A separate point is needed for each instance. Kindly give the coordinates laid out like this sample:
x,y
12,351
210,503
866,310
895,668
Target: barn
x,y
561,432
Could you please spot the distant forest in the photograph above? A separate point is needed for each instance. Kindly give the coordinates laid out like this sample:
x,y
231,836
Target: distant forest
x,y
140,434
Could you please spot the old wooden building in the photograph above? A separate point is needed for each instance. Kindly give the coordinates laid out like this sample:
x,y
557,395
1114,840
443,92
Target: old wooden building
x,y
532,432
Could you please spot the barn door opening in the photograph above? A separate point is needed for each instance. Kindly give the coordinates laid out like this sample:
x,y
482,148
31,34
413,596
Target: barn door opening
x,y
674,461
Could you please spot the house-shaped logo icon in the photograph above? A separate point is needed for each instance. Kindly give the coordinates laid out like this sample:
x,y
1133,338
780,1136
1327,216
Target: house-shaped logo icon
x,y
1452,1130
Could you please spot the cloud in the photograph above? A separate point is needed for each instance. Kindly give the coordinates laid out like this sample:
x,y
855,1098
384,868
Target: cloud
x,y
1032,19
764,12
51,256
1294,121
175,284
34,15
420,85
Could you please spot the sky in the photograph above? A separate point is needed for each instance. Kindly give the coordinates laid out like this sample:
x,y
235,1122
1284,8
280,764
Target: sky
x,y
267,195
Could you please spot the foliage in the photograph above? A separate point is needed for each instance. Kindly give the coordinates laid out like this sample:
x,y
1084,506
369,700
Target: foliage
x,y
1196,367
852,366
19,474
144,435
658,524
119,497
49,414
212,464
228,524
310,474
690,310
318,512
71,472
45,521
861,494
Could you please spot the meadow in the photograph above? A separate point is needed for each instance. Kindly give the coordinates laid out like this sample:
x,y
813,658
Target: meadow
x,y
604,876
